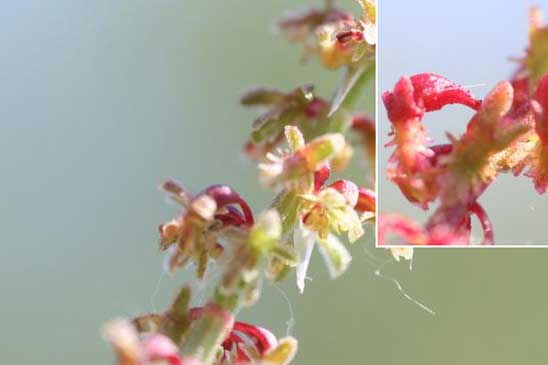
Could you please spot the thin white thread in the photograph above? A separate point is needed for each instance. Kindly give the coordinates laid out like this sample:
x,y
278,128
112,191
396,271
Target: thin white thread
x,y
404,293
291,323
474,86
374,261
156,291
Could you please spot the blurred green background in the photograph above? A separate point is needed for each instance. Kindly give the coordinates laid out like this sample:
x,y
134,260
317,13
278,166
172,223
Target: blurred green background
x,y
470,42
102,100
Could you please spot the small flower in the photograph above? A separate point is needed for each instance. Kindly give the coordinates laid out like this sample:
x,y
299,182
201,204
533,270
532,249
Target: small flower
x,y
413,166
194,234
294,170
299,107
340,44
485,149
300,26
304,26
406,105
332,211
498,138
325,213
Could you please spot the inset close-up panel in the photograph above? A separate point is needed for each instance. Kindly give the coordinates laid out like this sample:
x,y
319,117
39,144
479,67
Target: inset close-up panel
x,y
463,121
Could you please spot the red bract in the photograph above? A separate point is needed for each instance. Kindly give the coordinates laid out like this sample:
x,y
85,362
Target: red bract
x,y
426,92
436,91
367,200
321,176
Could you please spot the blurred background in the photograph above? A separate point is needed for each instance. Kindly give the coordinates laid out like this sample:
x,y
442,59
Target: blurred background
x,y
469,42
102,100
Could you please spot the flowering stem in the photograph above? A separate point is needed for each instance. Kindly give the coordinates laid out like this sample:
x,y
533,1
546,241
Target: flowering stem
x,y
347,96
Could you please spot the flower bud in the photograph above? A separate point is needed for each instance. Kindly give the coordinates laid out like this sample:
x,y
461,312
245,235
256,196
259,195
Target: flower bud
x,y
348,189
294,137
321,149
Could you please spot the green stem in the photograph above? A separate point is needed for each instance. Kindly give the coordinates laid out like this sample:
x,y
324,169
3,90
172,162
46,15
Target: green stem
x,y
206,335
354,94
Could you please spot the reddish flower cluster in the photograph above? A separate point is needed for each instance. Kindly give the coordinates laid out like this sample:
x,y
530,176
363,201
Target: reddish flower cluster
x,y
508,133
244,343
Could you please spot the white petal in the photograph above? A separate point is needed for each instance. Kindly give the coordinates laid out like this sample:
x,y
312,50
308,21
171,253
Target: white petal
x,y
304,240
